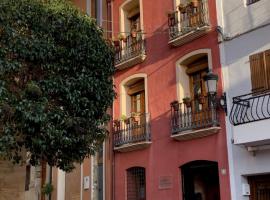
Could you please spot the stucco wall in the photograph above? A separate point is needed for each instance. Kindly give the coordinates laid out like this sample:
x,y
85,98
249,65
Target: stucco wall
x,y
239,18
11,181
165,155
236,72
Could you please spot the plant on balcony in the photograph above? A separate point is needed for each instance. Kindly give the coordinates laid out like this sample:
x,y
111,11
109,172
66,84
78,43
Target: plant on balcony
x,y
194,3
136,116
47,189
134,33
116,123
182,8
172,17
201,99
187,101
175,105
121,37
125,119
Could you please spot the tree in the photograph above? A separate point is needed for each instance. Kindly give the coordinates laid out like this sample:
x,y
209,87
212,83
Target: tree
x,y
55,82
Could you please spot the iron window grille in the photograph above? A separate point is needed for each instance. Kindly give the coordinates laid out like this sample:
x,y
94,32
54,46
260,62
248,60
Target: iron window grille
x,y
136,184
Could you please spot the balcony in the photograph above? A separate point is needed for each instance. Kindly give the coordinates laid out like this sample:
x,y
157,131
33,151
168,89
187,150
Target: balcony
x,y
249,114
189,23
129,51
194,119
132,133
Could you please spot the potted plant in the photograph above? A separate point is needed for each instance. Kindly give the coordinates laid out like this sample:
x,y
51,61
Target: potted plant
x,y
187,101
136,116
201,99
47,189
172,17
175,105
116,123
121,37
194,3
134,33
182,8
125,119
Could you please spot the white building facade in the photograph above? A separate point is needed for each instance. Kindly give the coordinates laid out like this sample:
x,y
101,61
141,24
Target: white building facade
x,y
244,28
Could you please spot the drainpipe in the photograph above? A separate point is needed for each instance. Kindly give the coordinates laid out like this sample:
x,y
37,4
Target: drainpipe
x,y
50,180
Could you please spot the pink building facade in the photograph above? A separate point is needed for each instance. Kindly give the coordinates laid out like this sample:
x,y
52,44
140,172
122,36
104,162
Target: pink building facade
x,y
169,139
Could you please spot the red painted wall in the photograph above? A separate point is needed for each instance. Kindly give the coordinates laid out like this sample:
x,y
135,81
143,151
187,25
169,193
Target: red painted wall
x,y
165,155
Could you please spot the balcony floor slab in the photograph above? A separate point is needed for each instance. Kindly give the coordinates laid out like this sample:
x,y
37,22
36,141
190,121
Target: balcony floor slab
x,y
193,134
131,62
189,36
133,146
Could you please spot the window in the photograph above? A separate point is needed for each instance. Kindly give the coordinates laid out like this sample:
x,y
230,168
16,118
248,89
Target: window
x,y
136,187
259,187
251,1
260,71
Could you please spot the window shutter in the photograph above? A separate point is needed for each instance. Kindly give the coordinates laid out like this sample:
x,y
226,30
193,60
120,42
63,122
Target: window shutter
x,y
257,70
267,67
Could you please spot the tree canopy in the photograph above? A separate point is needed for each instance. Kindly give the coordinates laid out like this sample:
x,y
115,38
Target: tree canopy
x,y
55,82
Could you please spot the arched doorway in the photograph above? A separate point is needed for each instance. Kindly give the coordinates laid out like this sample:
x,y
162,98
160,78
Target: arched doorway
x,y
200,180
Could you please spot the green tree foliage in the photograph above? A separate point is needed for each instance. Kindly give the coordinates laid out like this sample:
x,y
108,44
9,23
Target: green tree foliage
x,y
55,82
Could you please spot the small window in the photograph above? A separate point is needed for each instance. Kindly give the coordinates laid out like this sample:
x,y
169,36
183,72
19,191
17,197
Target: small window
x,y
260,71
251,1
136,187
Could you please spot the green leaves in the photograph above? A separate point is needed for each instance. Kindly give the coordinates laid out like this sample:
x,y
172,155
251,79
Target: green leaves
x,y
55,82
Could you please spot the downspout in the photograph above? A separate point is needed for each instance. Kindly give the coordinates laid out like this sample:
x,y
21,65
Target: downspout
x,y
50,180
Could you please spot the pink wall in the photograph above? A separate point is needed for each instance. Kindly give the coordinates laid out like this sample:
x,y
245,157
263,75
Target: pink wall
x,y
165,155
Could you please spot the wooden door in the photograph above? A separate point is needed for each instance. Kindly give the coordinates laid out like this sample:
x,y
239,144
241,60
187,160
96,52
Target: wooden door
x,y
199,107
138,118
259,187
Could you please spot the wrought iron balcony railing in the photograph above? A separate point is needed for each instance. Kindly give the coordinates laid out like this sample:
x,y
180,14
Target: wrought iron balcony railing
x,y
193,115
250,108
132,130
129,47
188,19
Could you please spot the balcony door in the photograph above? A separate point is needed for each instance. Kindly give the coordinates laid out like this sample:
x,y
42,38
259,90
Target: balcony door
x,y
259,187
138,118
199,106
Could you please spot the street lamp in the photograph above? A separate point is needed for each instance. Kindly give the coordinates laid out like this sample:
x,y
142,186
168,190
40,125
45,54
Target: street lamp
x,y
211,81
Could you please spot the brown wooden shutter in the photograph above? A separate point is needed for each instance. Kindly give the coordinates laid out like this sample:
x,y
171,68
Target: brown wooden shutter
x,y
267,68
257,70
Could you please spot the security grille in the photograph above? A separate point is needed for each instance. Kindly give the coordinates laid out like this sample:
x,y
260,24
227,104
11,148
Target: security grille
x,y
136,183
263,193
260,187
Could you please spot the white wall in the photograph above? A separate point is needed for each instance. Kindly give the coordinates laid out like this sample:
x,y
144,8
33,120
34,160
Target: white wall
x,y
236,77
239,18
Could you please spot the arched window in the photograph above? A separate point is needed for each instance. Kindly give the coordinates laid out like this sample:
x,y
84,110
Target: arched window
x,y
136,184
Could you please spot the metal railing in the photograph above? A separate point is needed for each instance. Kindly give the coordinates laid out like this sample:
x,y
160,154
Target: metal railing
x,y
130,47
196,114
192,18
250,108
132,130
